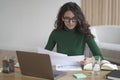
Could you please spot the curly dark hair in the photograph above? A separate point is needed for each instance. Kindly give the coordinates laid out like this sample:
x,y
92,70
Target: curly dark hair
x,y
82,24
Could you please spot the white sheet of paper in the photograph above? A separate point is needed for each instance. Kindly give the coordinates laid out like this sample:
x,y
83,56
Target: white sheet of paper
x,y
51,53
61,59
68,67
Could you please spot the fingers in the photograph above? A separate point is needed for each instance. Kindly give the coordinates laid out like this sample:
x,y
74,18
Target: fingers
x,y
87,61
82,62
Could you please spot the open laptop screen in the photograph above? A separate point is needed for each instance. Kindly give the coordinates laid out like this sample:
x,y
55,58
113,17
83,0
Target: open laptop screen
x,y
36,65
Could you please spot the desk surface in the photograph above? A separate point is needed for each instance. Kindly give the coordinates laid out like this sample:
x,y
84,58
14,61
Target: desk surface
x,y
18,76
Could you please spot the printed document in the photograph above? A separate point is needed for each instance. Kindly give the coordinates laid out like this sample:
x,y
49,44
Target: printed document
x,y
62,61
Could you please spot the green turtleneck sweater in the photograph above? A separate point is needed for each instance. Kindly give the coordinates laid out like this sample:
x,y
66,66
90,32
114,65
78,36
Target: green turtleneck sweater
x,y
71,42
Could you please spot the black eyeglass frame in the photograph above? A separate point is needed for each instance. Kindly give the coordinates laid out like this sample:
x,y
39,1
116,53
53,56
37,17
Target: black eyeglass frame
x,y
68,19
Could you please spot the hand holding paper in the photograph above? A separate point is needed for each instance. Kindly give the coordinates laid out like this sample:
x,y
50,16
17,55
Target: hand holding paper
x,y
67,62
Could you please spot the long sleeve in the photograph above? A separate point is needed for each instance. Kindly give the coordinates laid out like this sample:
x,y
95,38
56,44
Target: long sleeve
x,y
93,47
51,42
71,42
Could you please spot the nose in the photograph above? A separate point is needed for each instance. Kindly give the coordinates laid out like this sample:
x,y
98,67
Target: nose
x,y
70,21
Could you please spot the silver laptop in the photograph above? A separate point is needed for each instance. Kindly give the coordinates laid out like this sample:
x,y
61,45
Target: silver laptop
x,y
37,65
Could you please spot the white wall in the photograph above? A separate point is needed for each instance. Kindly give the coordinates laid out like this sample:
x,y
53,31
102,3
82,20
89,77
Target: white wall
x,y
27,24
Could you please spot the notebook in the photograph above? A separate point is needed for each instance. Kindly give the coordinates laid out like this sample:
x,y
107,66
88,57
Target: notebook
x,y
37,65
113,75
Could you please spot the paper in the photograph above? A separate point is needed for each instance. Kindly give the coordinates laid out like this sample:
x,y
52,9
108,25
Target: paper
x,y
68,67
51,53
106,65
61,59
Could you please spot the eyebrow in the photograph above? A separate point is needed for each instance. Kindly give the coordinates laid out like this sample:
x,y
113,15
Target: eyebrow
x,y
68,17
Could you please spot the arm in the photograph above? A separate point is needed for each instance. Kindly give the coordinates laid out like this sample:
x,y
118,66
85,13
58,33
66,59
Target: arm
x,y
93,47
51,42
95,50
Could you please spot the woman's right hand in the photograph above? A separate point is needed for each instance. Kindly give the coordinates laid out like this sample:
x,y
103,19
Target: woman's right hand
x,y
87,60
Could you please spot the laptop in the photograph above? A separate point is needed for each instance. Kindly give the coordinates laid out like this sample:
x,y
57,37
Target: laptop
x,y
37,65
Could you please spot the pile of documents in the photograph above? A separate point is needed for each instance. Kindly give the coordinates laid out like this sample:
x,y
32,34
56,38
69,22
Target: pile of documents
x,y
62,61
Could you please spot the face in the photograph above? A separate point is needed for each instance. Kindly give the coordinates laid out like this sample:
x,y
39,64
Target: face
x,y
69,20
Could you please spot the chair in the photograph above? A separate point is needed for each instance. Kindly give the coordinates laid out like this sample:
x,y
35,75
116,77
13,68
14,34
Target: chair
x,y
107,36
108,40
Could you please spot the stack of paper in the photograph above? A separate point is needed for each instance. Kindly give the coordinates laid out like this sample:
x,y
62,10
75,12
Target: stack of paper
x,y
68,67
51,53
62,61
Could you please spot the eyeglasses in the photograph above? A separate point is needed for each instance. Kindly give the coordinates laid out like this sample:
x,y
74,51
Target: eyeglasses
x,y
68,19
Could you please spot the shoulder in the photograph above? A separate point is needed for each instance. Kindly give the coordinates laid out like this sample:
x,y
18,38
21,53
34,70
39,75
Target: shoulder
x,y
56,31
89,38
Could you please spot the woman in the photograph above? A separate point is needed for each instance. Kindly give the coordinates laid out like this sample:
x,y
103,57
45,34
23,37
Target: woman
x,y
72,32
